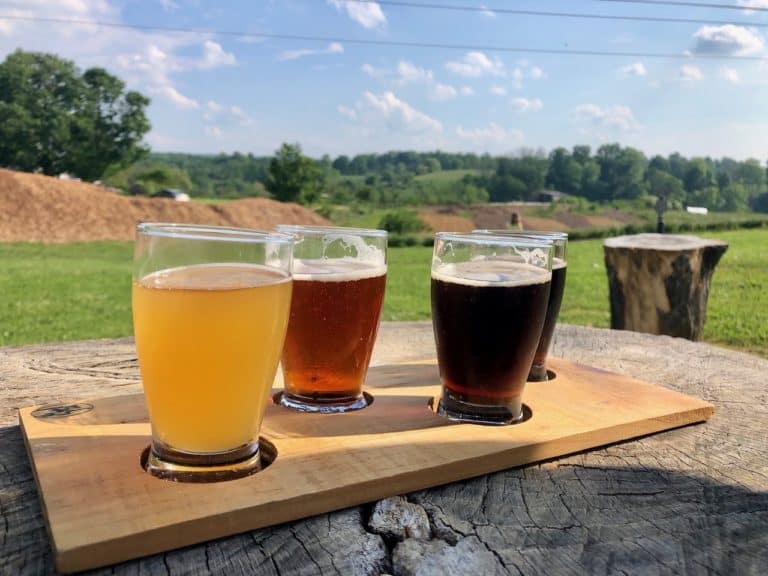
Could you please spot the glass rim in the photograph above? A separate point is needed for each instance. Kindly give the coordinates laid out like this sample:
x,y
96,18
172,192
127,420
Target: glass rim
x,y
213,233
320,230
491,239
554,234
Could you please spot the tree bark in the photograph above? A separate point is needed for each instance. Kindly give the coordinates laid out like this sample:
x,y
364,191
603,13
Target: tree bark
x,y
659,284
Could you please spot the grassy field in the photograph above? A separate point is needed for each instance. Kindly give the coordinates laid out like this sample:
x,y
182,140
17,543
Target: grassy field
x,y
78,291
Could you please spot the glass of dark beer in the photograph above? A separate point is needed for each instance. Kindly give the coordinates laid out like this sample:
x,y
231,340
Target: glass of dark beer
x,y
538,371
489,303
339,278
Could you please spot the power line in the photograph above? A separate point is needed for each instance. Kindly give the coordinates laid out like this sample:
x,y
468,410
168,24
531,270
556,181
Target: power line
x,y
376,42
689,4
580,15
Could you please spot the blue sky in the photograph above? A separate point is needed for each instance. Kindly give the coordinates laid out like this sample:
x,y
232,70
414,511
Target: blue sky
x,y
217,93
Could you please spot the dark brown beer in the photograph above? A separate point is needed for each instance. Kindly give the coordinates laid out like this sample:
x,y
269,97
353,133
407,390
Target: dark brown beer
x,y
332,328
487,316
559,268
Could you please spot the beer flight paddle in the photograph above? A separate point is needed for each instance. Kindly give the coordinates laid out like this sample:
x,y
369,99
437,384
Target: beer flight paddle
x,y
214,309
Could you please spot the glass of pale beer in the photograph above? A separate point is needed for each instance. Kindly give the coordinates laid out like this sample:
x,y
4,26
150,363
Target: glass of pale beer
x,y
559,240
489,303
210,312
339,276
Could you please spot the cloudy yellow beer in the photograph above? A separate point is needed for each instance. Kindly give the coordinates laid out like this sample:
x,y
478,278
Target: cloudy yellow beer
x,y
209,338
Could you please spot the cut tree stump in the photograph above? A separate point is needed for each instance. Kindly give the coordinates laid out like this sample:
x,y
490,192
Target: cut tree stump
x,y
659,283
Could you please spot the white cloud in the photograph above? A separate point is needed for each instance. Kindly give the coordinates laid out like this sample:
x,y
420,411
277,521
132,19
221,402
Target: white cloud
x,y
497,90
634,69
374,72
408,73
333,48
214,106
176,97
227,115
214,56
618,117
399,114
730,74
442,92
367,14
753,4
214,131
517,78
467,91
346,111
536,73
487,12
476,64
527,105
169,5
690,73
727,39
492,135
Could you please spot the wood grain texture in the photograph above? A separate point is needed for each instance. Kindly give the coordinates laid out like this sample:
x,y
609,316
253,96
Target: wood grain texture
x,y
691,501
659,283
106,509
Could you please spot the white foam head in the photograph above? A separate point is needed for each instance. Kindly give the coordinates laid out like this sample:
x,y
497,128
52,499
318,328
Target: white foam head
x,y
336,269
491,272
558,263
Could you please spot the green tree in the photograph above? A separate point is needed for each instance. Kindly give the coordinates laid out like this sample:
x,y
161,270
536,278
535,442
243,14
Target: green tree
x,y
292,176
698,175
564,172
664,185
54,119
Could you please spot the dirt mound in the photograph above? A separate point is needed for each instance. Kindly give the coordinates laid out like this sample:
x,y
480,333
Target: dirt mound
x,y
446,222
42,209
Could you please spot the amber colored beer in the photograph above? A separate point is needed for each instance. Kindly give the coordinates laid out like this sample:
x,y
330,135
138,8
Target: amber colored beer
x,y
209,339
487,316
332,328
559,268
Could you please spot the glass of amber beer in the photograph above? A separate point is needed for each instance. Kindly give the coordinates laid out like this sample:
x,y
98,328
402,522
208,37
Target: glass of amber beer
x,y
210,312
559,240
489,302
339,275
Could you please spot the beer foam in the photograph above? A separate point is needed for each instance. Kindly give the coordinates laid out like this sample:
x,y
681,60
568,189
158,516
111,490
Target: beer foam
x,y
484,272
336,269
215,276
558,263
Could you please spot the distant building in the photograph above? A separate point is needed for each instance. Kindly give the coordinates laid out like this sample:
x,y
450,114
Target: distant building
x,y
550,195
696,210
173,194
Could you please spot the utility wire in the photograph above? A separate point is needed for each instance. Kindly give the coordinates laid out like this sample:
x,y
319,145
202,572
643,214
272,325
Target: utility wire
x,y
581,15
689,4
376,42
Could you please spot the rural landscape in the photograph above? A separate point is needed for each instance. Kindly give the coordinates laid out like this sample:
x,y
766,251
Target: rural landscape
x,y
68,218
188,387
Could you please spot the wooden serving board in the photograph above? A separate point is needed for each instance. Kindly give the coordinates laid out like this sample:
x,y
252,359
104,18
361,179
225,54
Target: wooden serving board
x,y
102,508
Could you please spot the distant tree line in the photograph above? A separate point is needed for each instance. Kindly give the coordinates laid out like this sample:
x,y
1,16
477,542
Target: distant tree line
x,y
394,179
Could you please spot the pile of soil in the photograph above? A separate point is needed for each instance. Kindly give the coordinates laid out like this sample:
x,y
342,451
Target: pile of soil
x,y
35,208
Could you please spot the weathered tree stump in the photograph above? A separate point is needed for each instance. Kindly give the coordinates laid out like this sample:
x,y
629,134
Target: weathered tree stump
x,y
659,283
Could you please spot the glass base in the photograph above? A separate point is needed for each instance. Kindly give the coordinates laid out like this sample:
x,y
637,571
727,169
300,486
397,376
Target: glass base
x,y
330,406
460,411
169,464
538,373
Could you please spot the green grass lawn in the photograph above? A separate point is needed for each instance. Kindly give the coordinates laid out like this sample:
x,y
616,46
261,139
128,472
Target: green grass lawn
x,y
78,291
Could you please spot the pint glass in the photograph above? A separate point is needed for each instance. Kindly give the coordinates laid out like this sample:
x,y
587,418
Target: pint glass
x,y
489,302
538,371
339,275
210,312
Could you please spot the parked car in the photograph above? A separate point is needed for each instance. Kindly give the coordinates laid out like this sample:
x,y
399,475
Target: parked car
x,y
173,194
